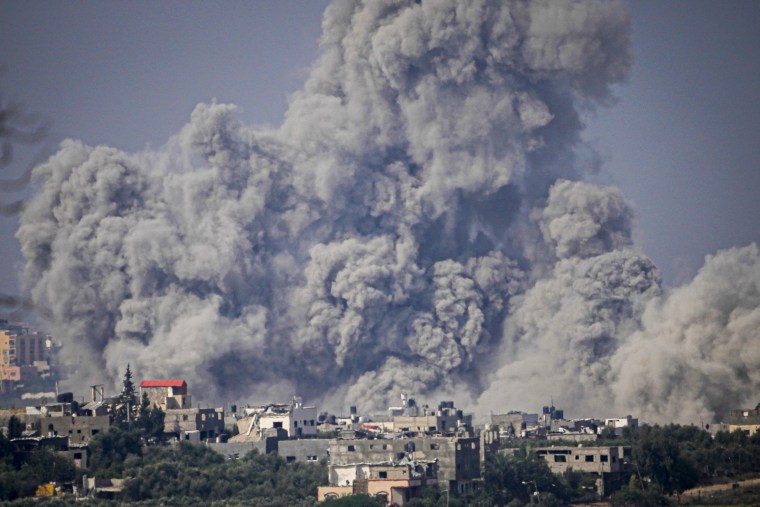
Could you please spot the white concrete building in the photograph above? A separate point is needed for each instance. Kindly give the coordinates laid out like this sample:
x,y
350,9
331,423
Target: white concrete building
x,y
295,418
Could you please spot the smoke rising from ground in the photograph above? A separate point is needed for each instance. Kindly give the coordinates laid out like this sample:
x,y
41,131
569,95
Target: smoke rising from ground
x,y
416,224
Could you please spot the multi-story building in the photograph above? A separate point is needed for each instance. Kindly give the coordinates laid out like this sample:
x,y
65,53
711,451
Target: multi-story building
x,y
31,348
458,457
607,463
180,417
9,370
166,394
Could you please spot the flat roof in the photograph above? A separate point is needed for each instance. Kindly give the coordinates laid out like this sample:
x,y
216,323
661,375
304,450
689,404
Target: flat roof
x,y
163,383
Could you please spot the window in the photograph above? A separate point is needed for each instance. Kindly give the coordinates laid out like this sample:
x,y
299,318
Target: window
x,y
311,458
351,448
95,432
604,458
290,459
277,424
383,475
184,417
434,447
589,458
79,431
559,458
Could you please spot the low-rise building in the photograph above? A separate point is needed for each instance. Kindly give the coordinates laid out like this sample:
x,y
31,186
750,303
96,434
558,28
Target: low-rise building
x,y
295,418
311,450
79,429
746,420
446,419
392,483
620,423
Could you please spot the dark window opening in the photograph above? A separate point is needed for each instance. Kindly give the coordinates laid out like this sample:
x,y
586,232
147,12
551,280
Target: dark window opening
x,y
589,458
383,475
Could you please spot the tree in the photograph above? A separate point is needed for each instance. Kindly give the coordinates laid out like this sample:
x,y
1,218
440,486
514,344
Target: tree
x,y
109,450
150,419
127,407
15,427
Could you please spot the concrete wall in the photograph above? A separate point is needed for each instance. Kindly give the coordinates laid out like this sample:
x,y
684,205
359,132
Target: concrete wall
x,y
310,450
209,421
79,429
583,459
237,450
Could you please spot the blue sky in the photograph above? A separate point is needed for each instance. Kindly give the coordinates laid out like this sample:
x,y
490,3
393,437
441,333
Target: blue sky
x,y
682,140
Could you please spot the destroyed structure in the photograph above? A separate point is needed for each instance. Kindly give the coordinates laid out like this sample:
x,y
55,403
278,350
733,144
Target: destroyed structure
x,y
294,418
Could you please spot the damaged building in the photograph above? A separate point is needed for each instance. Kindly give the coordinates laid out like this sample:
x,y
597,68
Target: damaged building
x,y
296,419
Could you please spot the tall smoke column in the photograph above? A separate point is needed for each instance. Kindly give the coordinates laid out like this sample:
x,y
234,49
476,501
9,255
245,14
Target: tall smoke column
x,y
415,224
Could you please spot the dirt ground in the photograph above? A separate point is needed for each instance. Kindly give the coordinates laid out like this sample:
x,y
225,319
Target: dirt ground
x,y
706,490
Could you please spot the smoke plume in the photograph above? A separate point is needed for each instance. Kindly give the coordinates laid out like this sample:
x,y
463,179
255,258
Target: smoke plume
x,y
416,224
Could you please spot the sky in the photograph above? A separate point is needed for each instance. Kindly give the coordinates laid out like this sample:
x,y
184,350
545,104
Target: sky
x,y
681,140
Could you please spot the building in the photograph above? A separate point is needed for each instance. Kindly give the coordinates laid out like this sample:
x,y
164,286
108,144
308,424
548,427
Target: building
x,y
79,429
746,420
166,394
295,418
31,348
514,424
183,422
412,418
607,463
393,483
9,369
619,424
311,450
458,458
180,417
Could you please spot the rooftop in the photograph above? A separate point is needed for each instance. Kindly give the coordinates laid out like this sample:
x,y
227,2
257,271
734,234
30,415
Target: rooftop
x,y
163,383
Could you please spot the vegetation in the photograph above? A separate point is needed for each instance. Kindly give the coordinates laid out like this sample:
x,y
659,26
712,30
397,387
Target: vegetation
x,y
125,410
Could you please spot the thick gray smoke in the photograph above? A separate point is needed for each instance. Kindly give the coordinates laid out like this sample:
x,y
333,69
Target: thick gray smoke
x,y
415,224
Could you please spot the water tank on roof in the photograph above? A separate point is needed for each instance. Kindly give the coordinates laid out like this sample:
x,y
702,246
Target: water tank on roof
x,y
65,398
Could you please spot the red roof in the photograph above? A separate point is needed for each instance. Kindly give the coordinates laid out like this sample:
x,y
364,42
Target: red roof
x,y
164,383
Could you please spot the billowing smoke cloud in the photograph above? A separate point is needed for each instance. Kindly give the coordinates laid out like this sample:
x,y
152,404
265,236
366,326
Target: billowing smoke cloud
x,y
415,224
